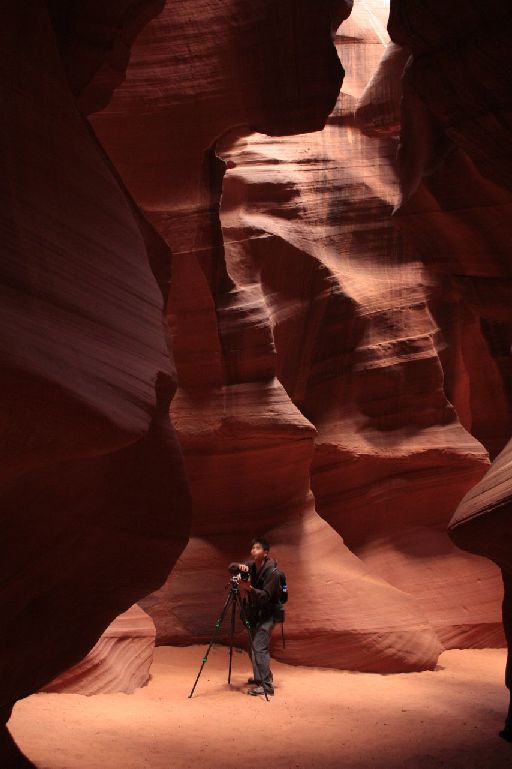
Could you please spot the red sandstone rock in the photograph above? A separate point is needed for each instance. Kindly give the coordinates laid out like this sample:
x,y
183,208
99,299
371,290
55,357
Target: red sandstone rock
x,y
455,166
311,292
307,335
351,618
89,522
94,40
482,524
119,662
456,203
229,447
358,346
482,521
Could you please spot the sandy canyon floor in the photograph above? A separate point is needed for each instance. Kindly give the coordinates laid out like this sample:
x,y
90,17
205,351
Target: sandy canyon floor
x,y
318,719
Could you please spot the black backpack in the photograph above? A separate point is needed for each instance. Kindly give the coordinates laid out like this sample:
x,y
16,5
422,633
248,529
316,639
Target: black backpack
x,y
282,595
281,598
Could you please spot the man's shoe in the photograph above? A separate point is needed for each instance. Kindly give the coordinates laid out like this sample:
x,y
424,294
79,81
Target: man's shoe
x,y
269,690
258,681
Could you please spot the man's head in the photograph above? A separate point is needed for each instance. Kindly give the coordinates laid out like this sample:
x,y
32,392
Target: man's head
x,y
259,548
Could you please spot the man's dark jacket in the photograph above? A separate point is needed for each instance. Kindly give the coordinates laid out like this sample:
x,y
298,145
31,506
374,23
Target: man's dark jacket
x,y
264,596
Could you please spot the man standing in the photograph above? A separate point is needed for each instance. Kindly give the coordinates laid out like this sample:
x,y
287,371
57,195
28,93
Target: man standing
x,y
261,596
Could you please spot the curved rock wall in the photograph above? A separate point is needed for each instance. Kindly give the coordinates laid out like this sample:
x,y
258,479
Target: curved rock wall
x,y
456,203
360,344
119,662
94,504
312,342
455,206
343,379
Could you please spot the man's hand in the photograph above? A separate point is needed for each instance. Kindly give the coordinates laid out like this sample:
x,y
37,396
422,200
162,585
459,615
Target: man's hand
x,y
243,567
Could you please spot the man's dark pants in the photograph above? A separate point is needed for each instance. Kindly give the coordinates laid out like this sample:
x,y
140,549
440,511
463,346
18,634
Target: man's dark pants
x,y
261,658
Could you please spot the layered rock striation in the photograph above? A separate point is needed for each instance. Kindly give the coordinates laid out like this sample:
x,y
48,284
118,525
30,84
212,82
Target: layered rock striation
x,y
248,448
360,346
311,341
119,661
94,503
455,206
455,167
455,194
344,375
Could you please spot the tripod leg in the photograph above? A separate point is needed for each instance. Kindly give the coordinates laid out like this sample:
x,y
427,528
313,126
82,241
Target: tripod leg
x,y
217,628
251,646
231,636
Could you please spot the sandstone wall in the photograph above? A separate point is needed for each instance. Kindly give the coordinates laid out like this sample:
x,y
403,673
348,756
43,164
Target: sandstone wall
x,y
93,500
340,322
314,344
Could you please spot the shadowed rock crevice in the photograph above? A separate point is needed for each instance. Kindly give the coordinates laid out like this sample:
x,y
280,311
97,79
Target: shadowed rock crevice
x,y
95,507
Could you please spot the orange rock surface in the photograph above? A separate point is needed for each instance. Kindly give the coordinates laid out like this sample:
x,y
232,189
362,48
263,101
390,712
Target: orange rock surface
x,y
93,500
340,319
119,661
308,345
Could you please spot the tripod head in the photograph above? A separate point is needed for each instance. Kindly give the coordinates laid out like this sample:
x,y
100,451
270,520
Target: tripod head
x,y
237,575
233,583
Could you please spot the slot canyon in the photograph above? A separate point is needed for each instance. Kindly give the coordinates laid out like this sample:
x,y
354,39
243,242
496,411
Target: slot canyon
x,y
257,282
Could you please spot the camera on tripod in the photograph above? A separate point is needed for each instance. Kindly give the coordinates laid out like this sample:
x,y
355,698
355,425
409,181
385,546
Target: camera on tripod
x,y
239,574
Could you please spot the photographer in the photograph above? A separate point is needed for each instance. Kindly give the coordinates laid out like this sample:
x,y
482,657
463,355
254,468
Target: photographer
x,y
260,595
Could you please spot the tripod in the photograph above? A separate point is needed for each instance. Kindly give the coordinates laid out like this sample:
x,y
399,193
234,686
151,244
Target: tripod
x,y
234,600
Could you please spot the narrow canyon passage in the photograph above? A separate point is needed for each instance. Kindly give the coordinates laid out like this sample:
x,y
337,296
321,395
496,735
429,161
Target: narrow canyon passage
x,y
256,282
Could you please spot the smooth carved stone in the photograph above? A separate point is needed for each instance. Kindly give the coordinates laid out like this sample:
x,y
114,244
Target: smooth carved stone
x,y
10,754
482,522
425,25
339,614
119,662
232,439
300,282
95,40
359,342
202,68
378,107
455,174
94,504
236,423
456,202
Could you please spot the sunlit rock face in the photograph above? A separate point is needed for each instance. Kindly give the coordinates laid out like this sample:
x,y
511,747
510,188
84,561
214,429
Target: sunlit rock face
x,y
482,522
93,500
119,662
360,331
314,346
